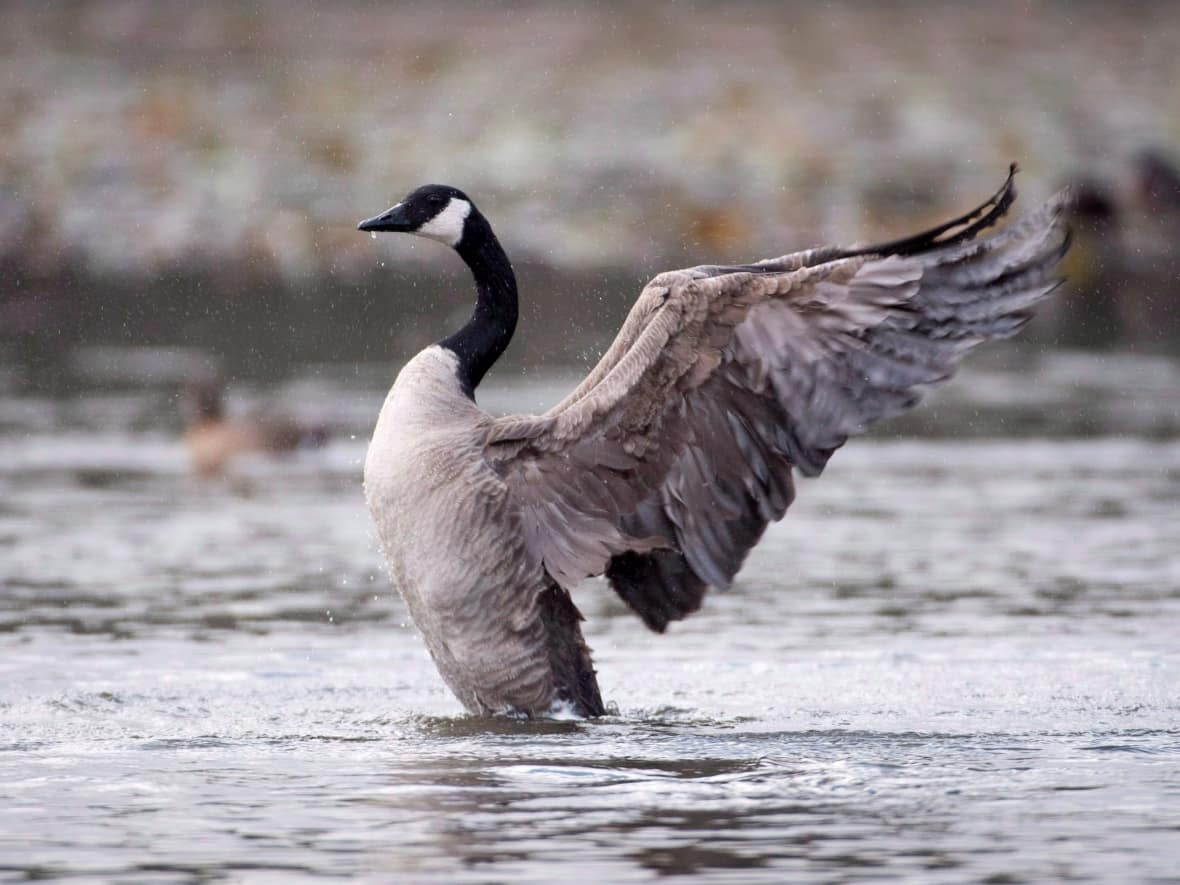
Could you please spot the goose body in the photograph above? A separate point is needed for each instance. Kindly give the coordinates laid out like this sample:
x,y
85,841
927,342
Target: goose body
x,y
500,632
663,468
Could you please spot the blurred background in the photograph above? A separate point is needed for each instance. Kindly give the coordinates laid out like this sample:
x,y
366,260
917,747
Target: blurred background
x,y
190,175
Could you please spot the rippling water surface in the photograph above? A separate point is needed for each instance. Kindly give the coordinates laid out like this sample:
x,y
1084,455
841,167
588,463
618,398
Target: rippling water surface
x,y
955,660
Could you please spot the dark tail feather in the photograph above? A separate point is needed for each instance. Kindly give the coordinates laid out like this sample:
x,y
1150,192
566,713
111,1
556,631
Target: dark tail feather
x,y
573,671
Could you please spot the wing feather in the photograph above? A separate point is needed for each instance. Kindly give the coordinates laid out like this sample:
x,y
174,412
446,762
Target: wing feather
x,y
663,468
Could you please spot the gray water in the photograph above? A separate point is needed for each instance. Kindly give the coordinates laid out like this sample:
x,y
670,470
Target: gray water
x,y
957,660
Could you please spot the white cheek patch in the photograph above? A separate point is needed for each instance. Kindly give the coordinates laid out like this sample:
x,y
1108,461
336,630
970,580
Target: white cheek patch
x,y
447,226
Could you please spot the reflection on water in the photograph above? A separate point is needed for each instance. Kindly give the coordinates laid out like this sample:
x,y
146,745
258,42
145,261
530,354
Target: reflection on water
x,y
955,660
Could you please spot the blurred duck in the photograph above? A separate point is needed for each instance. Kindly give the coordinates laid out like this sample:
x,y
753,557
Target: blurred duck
x,y
1124,265
1158,182
213,440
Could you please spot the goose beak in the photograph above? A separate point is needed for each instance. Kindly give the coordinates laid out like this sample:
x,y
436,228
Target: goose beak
x,y
390,220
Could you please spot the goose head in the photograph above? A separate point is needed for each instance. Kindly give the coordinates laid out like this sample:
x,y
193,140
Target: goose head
x,y
435,211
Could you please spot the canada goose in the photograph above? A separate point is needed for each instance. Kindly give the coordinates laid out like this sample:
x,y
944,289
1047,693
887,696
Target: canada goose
x,y
663,468
213,440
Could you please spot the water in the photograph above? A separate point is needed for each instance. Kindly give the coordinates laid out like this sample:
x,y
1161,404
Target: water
x,y
955,661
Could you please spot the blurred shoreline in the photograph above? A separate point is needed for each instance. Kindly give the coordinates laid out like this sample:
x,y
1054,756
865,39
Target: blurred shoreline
x,y
178,173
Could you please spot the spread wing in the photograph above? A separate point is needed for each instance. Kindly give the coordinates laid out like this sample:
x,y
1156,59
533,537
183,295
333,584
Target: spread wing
x,y
663,468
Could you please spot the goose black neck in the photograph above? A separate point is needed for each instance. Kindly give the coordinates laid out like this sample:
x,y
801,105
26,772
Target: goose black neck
x,y
479,343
